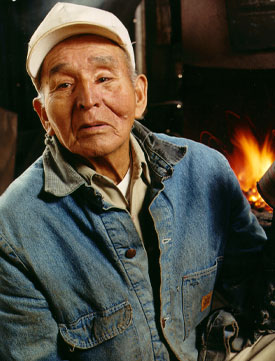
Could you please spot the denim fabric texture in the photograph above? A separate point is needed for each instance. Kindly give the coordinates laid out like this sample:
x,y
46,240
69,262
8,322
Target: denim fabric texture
x,y
68,291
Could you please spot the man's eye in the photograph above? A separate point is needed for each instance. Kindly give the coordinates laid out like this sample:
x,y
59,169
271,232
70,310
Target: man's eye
x,y
103,79
63,85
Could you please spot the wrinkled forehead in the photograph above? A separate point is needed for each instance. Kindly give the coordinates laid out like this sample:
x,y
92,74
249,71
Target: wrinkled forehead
x,y
110,51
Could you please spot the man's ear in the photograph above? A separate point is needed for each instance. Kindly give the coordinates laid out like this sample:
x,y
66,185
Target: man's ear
x,y
141,95
41,111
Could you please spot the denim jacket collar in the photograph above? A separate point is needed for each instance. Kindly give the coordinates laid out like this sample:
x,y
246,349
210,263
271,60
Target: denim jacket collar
x,y
61,179
161,155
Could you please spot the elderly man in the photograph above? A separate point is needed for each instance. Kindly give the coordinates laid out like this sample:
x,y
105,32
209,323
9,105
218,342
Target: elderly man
x,y
113,241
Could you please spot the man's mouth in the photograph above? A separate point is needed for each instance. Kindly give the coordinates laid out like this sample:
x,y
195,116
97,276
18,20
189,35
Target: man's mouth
x,y
93,125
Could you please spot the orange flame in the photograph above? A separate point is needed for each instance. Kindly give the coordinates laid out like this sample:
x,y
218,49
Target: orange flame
x,y
250,161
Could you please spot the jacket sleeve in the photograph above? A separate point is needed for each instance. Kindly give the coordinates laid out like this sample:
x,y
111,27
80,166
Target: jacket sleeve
x,y
28,330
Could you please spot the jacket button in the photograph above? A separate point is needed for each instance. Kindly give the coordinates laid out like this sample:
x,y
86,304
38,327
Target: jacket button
x,y
163,321
130,253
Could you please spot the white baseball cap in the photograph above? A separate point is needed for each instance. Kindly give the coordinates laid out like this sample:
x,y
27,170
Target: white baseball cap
x,y
65,20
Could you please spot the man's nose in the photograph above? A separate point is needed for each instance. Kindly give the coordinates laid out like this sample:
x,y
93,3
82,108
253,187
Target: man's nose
x,y
87,96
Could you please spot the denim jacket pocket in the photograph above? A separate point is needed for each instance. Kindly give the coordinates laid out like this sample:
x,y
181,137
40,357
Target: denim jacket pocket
x,y
96,327
197,292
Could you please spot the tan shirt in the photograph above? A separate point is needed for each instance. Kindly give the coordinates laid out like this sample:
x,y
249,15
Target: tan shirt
x,y
139,181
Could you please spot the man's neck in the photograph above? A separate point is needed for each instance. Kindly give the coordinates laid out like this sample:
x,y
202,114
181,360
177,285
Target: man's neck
x,y
113,166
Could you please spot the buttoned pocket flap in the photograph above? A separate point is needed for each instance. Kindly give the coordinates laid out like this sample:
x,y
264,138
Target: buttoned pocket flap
x,y
97,327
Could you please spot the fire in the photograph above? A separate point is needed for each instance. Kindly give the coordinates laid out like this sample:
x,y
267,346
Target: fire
x,y
250,161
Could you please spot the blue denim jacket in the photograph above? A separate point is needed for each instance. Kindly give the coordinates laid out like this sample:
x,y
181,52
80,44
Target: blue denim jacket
x,y
69,290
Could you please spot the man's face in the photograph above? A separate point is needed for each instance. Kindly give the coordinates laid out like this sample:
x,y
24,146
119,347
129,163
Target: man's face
x,y
90,102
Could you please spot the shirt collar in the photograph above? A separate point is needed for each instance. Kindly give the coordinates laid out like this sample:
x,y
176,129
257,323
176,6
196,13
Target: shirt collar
x,y
139,160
